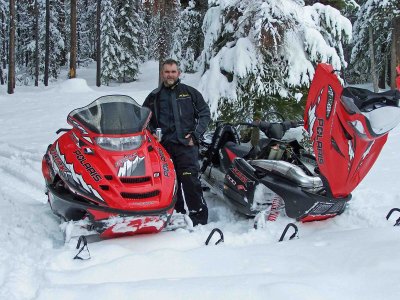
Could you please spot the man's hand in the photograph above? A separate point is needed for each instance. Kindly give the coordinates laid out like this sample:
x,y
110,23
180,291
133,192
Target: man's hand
x,y
189,136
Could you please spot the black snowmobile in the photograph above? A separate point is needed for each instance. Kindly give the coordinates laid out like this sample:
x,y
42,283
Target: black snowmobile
x,y
273,174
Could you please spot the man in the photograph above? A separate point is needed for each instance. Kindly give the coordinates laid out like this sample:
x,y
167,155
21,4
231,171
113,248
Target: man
x,y
183,116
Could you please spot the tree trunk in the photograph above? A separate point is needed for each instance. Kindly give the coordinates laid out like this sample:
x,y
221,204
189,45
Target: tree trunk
x,y
164,33
11,50
98,44
1,76
36,13
3,35
372,56
382,73
47,45
395,56
73,44
62,28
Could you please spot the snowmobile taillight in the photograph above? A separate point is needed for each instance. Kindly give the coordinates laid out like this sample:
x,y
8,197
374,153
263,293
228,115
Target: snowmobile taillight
x,y
120,143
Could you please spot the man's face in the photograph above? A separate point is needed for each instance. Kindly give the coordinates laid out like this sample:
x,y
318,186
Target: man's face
x,y
170,74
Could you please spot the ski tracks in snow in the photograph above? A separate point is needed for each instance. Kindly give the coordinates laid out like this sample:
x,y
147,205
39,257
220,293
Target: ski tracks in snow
x,y
28,229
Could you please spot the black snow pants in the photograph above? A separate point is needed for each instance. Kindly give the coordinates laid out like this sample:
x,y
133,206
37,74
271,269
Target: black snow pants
x,y
190,193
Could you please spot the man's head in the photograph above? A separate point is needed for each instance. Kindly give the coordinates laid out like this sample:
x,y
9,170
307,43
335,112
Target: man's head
x,y
170,72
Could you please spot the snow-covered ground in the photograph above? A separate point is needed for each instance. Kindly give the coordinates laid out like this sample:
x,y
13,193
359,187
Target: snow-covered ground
x,y
353,256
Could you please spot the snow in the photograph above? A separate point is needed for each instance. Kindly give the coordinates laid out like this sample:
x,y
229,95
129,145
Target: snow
x,y
352,256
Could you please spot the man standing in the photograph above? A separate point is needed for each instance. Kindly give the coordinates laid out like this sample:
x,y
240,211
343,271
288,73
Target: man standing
x,y
183,116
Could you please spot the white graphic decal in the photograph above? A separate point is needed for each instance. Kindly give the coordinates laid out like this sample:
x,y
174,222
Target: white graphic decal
x,y
128,165
77,177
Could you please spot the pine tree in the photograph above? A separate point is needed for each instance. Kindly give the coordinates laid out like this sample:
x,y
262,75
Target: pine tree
x,y
129,25
261,55
86,31
110,44
188,38
374,18
3,40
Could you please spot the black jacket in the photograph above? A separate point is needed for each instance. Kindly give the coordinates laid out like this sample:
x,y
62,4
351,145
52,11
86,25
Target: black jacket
x,y
194,113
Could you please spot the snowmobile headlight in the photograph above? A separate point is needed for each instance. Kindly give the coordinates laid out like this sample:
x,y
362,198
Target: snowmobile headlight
x,y
119,144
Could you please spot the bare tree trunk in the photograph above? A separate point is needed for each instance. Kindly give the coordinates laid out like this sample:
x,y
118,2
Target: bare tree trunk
x,y
161,37
11,50
395,53
47,45
3,34
98,44
62,29
164,34
73,49
36,14
372,55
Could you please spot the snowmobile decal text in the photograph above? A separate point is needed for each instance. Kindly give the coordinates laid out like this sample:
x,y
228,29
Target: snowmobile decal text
x,y
58,160
320,130
240,176
165,164
82,159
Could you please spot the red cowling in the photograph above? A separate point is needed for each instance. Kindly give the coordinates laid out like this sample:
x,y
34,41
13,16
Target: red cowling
x,y
398,78
344,146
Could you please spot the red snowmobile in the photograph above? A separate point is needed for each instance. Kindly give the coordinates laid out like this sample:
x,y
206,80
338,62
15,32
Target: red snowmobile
x,y
108,173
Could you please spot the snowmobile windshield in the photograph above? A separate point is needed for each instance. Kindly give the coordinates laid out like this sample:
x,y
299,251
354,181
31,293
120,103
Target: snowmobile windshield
x,y
113,114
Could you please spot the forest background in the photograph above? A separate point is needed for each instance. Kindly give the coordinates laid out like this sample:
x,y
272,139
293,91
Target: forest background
x,y
252,54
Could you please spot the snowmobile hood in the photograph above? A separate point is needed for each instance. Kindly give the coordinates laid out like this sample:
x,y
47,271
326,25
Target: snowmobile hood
x,y
348,128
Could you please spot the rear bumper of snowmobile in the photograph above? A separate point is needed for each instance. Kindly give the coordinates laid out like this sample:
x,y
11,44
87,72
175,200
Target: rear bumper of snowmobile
x,y
106,221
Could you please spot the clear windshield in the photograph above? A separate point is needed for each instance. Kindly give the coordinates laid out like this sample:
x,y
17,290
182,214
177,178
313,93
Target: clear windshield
x,y
113,114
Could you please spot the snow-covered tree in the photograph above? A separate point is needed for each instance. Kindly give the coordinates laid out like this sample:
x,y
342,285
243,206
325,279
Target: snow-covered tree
x,y
86,31
130,25
188,37
3,40
110,44
374,18
260,55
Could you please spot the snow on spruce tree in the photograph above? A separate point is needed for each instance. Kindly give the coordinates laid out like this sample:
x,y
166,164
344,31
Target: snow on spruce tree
x,y
373,34
129,25
261,55
188,38
86,31
110,47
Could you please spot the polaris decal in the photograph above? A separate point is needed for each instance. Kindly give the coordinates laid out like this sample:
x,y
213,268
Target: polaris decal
x,y
89,168
318,140
165,164
77,178
130,165
312,114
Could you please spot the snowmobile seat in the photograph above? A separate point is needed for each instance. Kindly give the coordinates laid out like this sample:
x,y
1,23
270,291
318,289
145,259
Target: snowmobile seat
x,y
366,100
238,150
381,110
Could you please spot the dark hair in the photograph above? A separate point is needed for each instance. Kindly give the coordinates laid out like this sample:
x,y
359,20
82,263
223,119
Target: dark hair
x,y
170,61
